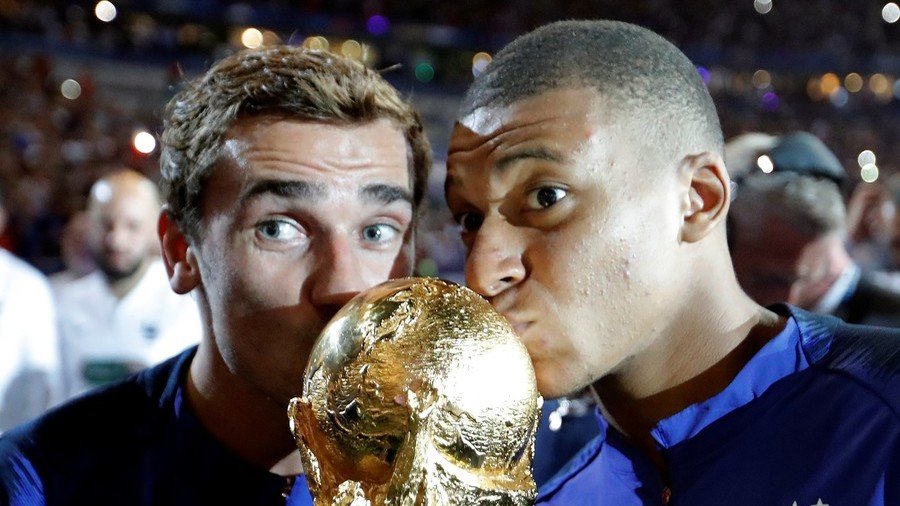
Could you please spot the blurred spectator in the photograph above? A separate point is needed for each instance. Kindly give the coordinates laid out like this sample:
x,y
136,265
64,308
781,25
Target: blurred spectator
x,y
870,223
124,316
789,232
893,187
29,363
75,251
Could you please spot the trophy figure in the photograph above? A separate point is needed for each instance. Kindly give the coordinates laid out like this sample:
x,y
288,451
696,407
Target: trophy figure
x,y
418,393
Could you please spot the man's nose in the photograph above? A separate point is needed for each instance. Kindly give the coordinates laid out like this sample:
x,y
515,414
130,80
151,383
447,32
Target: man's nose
x,y
340,273
494,263
116,237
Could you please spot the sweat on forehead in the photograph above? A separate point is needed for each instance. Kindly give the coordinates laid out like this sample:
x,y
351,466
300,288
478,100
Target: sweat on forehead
x,y
637,72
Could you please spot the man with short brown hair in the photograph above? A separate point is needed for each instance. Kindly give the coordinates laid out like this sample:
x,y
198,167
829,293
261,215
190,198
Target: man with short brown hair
x,y
292,179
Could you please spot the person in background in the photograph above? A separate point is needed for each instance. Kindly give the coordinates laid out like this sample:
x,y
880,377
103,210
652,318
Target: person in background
x,y
75,251
291,181
585,171
789,236
122,317
871,215
29,359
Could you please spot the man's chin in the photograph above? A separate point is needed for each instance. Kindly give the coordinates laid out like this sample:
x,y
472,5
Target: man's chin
x,y
114,273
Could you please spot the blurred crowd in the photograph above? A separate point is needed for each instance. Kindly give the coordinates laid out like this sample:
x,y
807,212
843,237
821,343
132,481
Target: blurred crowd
x,y
52,150
845,30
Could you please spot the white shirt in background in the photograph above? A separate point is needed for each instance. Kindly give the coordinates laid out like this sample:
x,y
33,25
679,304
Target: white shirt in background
x,y
29,359
104,338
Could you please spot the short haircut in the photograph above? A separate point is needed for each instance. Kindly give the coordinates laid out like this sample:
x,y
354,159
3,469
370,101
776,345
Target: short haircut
x,y
646,81
812,206
286,81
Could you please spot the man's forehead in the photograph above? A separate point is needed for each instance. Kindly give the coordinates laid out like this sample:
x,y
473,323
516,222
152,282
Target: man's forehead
x,y
549,105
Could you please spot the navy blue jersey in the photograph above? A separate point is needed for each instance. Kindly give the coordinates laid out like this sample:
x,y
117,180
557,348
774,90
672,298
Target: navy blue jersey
x,y
557,441
134,443
812,419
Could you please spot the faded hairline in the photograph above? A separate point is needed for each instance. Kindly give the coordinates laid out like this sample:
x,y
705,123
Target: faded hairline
x,y
648,82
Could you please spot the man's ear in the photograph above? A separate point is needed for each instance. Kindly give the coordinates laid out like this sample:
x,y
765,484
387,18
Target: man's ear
x,y
707,195
178,255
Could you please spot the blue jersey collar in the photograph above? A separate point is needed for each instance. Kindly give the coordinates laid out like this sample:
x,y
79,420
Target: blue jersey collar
x,y
781,356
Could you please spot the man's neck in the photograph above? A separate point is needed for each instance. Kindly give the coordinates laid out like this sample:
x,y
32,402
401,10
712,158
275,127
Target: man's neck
x,y
251,425
122,286
697,359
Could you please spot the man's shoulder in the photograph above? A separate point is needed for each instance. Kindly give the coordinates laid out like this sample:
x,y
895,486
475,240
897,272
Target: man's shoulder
x,y
24,276
106,423
866,355
80,290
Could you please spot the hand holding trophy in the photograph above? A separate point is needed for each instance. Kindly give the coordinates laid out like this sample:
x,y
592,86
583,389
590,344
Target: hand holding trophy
x,y
418,393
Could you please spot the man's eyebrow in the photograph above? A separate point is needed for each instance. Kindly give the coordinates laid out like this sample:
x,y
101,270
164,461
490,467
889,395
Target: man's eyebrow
x,y
282,188
538,153
385,193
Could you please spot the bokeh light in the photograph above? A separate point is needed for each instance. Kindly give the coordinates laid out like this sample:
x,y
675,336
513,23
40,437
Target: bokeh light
x,y
316,43
762,79
424,72
105,11
853,82
270,38
251,38
865,157
144,142
352,49
880,86
378,25
765,164
890,13
762,6
770,100
480,62
70,89
814,89
869,173
830,83
839,97
705,76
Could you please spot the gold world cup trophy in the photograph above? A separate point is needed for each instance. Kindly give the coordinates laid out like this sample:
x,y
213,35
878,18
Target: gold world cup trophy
x,y
418,393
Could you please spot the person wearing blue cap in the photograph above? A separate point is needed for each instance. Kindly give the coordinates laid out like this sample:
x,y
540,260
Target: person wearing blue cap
x,y
586,174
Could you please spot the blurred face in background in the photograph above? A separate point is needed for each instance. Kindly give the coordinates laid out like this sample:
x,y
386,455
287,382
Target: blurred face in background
x,y
123,210
767,269
75,247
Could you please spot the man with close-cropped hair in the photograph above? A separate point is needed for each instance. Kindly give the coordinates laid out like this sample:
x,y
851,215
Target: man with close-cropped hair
x,y
586,173
291,182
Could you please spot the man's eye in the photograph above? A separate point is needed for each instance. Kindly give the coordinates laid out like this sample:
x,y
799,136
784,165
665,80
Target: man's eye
x,y
545,196
279,230
469,222
379,233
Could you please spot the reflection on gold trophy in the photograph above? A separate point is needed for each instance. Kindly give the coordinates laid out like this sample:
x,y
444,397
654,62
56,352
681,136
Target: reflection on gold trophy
x,y
418,393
